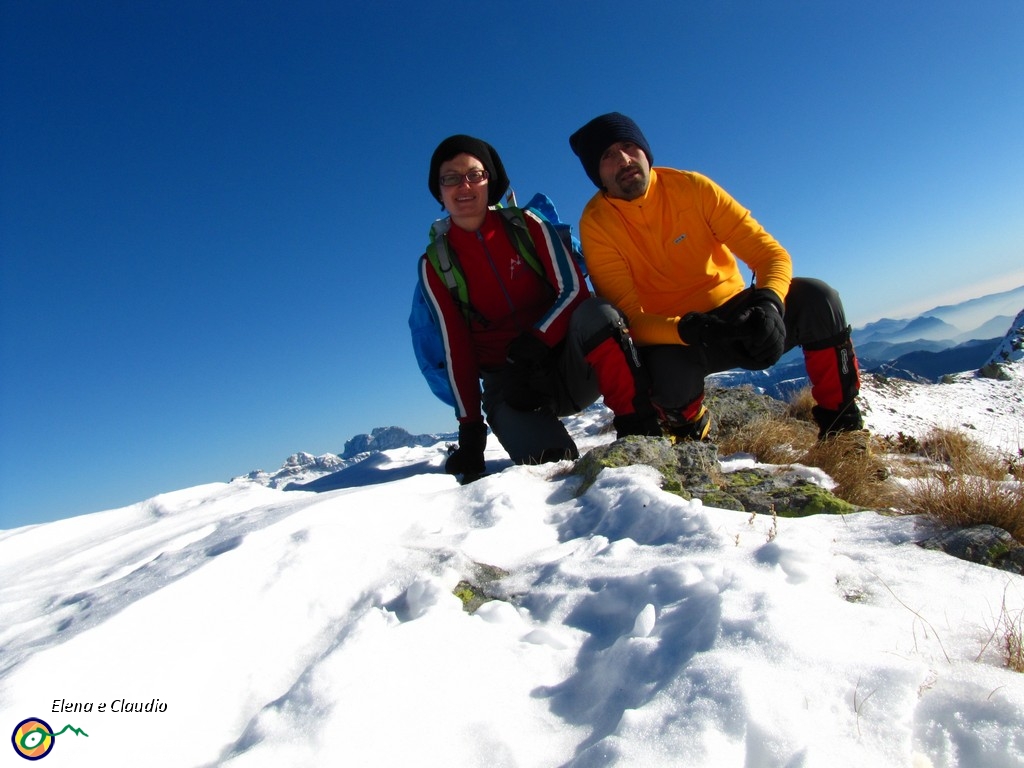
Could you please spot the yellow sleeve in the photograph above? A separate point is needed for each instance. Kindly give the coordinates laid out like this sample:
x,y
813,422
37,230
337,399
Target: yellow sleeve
x,y
742,234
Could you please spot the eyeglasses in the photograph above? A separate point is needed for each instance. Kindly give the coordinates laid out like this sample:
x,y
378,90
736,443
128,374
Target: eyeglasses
x,y
476,176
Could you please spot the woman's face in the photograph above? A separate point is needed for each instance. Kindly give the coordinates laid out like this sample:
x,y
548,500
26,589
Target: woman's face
x,y
466,202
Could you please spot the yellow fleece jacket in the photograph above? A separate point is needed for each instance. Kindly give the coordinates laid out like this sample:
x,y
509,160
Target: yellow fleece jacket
x,y
674,251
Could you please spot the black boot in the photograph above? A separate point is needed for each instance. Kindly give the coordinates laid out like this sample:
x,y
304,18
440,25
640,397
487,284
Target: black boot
x,y
637,424
847,418
695,429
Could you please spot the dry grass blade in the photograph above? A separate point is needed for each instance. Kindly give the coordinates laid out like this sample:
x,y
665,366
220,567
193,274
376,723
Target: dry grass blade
x,y
861,476
1013,640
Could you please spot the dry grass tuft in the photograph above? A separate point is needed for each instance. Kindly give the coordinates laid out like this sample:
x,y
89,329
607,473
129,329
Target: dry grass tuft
x,y
861,476
964,455
957,481
956,500
771,440
800,405
944,475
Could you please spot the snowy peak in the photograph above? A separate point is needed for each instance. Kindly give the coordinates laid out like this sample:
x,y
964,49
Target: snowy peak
x,y
1011,348
301,468
385,438
298,468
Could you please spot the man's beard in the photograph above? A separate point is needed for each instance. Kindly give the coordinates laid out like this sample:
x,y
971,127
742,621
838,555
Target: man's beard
x,y
635,185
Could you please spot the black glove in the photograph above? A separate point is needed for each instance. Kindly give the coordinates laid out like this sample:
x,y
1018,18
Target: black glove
x,y
526,349
760,328
525,385
468,459
700,330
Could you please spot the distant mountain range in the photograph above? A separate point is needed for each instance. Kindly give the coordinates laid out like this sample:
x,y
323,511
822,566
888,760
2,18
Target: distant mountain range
x,y
944,340
978,334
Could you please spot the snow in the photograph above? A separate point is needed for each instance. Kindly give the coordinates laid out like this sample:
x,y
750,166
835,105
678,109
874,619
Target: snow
x,y
290,628
988,410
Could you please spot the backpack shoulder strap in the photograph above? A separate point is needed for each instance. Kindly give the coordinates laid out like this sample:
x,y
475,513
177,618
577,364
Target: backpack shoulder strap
x,y
446,264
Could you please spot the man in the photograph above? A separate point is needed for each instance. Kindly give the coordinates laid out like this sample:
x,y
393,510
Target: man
x,y
661,244
527,325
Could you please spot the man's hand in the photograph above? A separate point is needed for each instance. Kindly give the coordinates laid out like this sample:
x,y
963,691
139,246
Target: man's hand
x,y
760,328
701,330
758,331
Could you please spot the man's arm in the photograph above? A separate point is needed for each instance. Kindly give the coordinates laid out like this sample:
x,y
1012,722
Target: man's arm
x,y
742,234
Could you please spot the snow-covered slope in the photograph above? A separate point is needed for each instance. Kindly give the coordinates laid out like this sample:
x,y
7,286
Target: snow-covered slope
x,y
238,625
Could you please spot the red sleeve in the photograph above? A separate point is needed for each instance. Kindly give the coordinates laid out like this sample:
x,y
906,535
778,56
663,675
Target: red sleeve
x,y
463,370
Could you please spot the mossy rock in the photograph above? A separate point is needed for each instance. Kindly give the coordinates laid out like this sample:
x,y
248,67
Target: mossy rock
x,y
475,593
983,544
691,470
766,492
715,497
647,451
472,596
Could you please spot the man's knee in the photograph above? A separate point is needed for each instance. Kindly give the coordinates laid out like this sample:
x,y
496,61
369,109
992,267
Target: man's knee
x,y
814,312
595,320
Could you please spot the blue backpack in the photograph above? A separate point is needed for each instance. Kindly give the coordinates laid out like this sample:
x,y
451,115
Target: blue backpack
x,y
423,324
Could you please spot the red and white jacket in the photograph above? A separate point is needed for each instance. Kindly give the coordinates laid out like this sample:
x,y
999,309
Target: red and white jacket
x,y
508,297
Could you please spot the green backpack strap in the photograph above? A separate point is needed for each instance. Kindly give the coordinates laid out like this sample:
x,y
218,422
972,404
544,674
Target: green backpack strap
x,y
446,263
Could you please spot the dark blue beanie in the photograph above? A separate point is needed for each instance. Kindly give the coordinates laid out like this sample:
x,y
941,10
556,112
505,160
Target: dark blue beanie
x,y
590,141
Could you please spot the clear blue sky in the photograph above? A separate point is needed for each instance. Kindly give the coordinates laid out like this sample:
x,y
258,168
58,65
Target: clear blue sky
x,y
210,212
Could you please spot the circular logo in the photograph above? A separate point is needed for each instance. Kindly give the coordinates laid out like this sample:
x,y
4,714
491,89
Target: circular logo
x,y
33,738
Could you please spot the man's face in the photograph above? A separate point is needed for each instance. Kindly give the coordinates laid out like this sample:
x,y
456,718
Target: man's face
x,y
625,172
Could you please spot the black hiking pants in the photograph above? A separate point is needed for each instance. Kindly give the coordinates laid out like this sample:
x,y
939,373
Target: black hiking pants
x,y
814,319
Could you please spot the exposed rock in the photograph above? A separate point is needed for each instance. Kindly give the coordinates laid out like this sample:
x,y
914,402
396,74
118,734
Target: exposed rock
x,y
692,470
650,451
983,544
735,407
477,590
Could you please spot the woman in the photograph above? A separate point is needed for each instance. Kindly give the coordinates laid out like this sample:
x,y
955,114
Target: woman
x,y
528,326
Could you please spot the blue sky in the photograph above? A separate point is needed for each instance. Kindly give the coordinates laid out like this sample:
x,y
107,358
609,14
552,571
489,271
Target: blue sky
x,y
210,213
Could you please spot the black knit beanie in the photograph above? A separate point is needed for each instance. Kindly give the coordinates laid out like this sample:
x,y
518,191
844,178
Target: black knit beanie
x,y
590,141
497,181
